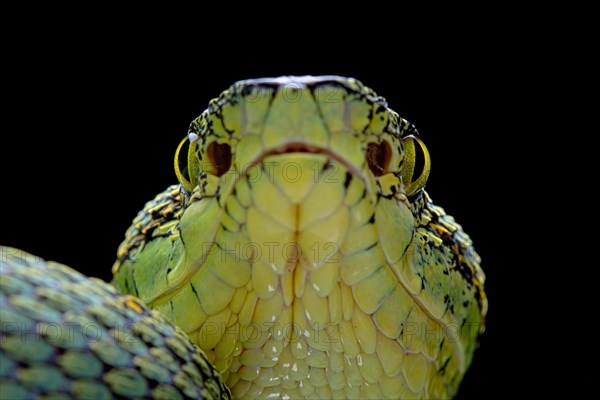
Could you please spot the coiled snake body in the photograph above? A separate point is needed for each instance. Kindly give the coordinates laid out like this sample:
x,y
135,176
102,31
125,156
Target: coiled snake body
x,y
299,252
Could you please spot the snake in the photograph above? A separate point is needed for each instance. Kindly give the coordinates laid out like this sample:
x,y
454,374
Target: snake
x,y
298,256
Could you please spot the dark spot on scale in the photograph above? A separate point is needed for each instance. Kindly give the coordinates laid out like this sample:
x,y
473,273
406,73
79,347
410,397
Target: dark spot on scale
x,y
372,219
225,228
370,246
347,180
195,292
466,303
135,289
246,90
168,271
442,369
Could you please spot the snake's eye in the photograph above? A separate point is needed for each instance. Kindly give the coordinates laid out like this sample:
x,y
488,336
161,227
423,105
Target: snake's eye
x,y
378,157
186,167
416,165
219,154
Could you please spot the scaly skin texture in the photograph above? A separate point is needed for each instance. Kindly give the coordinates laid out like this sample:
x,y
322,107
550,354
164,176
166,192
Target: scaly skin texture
x,y
302,254
63,335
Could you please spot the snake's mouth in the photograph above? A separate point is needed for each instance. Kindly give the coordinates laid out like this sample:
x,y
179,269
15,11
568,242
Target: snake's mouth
x,y
306,148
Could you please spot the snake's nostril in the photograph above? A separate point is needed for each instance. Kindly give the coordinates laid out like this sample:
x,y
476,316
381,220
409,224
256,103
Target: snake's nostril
x,y
378,157
219,155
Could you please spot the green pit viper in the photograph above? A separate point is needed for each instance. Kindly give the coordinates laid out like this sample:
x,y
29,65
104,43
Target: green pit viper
x,y
299,253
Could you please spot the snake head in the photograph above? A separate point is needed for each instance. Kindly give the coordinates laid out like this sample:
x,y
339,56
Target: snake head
x,y
303,162
332,116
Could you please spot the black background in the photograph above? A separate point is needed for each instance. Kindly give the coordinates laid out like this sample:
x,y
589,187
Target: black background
x,y
91,133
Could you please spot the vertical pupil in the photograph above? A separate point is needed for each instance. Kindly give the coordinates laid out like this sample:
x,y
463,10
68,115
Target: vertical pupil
x,y
182,160
419,163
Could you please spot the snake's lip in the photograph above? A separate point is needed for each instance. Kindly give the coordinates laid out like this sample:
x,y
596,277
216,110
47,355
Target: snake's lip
x,y
306,148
